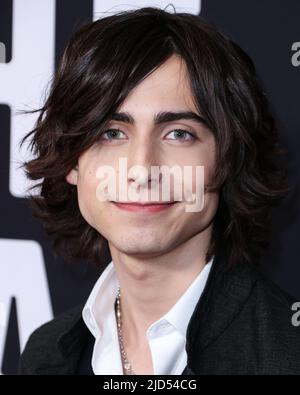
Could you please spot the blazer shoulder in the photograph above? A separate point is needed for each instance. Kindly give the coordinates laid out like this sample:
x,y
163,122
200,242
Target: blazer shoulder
x,y
273,294
277,330
41,348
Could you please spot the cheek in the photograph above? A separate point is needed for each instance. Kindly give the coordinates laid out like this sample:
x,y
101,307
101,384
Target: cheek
x,y
209,163
208,211
86,189
200,176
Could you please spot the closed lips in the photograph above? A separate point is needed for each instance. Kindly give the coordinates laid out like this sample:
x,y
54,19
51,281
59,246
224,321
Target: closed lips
x,y
145,204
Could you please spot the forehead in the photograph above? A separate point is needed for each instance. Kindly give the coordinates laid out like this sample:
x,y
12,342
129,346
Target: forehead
x,y
167,88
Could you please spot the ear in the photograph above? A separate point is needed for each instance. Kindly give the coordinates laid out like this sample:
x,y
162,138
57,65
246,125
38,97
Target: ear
x,y
72,176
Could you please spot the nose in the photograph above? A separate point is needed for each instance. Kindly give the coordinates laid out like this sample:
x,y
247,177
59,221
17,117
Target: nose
x,y
142,155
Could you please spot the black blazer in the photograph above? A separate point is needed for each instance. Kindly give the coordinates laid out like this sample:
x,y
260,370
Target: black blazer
x,y
242,324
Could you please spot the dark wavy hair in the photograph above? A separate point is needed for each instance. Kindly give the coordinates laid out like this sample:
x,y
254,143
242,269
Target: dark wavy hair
x,y
103,61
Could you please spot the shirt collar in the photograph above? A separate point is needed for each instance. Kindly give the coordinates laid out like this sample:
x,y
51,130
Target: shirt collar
x,y
101,301
179,315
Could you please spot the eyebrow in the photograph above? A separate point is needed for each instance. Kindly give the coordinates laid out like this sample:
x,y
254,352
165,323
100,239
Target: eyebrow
x,y
162,117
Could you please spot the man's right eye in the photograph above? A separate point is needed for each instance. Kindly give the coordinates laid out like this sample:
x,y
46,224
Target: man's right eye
x,y
112,134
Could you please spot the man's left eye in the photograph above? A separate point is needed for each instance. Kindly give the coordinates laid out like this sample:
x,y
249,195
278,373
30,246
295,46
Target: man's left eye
x,y
180,134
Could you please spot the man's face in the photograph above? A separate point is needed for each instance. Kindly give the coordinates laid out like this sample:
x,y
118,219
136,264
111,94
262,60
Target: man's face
x,y
146,232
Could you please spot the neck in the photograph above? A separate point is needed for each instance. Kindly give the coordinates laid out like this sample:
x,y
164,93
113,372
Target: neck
x,y
151,286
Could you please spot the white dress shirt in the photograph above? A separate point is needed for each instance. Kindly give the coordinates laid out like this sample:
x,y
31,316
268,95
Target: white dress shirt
x,y
166,336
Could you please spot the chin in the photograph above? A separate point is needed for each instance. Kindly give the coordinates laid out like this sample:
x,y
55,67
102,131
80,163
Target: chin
x,y
141,247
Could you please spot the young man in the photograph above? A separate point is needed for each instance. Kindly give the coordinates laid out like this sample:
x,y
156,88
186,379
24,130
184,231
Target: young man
x,y
183,293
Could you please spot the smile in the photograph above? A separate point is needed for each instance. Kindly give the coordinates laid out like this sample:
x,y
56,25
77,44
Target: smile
x,y
144,207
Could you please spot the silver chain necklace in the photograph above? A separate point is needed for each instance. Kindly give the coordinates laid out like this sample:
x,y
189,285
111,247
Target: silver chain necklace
x,y
126,365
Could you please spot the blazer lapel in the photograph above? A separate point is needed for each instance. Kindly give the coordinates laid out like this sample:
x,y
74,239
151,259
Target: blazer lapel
x,y
224,295
69,345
